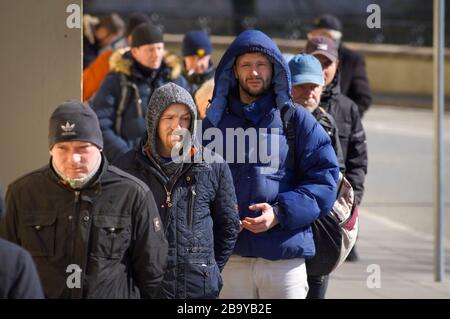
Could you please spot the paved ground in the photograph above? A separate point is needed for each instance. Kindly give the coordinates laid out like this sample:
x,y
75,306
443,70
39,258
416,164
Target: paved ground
x,y
404,260
396,223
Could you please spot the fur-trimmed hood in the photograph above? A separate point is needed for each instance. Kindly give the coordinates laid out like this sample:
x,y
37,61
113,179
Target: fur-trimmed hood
x,y
121,62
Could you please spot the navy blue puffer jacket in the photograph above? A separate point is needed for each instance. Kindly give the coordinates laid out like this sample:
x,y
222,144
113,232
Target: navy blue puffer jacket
x,y
299,193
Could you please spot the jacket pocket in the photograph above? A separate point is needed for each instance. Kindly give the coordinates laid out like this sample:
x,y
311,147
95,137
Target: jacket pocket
x,y
345,131
39,233
111,236
203,280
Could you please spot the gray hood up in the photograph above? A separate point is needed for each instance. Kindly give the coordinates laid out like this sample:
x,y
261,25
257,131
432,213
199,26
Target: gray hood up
x,y
160,100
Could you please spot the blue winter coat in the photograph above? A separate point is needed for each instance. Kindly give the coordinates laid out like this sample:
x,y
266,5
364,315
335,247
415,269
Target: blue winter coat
x,y
300,193
201,222
140,88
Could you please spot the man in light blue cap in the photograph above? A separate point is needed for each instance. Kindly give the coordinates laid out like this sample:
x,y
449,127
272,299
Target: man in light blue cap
x,y
307,80
307,85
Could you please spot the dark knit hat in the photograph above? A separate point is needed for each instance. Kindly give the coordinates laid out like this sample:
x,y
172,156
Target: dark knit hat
x,y
327,21
136,19
196,42
146,33
74,121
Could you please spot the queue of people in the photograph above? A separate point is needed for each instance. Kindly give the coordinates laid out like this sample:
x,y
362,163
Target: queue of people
x,y
147,195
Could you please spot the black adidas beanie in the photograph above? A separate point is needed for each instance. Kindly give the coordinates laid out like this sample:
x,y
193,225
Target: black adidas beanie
x,y
146,33
74,121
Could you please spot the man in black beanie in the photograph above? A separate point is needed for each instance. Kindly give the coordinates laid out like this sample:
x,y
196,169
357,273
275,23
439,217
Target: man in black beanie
x,y
93,230
121,102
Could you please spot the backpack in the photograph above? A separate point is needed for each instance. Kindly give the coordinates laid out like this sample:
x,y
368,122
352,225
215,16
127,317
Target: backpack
x,y
125,87
335,233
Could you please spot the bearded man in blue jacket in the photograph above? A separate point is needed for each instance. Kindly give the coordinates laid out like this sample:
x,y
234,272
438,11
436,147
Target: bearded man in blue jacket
x,y
279,198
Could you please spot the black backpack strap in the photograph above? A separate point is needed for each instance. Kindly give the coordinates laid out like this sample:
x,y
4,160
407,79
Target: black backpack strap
x,y
138,99
124,87
287,115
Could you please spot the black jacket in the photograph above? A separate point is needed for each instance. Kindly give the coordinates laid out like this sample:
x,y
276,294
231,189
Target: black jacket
x,y
110,229
351,134
329,125
18,276
199,211
195,81
354,82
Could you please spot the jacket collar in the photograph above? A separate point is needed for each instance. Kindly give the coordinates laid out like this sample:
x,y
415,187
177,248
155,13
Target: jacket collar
x,y
94,183
331,89
255,111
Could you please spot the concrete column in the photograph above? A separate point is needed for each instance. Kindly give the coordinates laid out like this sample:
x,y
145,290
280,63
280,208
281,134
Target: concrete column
x,y
41,64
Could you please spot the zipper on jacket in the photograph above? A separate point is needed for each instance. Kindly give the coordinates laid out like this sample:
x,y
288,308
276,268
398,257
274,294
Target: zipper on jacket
x,y
168,206
190,215
77,196
74,222
168,199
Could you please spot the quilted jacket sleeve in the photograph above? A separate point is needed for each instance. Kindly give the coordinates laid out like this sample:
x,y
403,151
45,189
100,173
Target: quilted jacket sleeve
x,y
149,251
225,216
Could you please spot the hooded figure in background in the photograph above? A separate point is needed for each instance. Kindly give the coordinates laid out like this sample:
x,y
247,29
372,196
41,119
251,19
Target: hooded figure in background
x,y
195,195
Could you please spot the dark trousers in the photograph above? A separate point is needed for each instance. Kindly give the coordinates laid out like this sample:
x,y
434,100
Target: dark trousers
x,y
317,287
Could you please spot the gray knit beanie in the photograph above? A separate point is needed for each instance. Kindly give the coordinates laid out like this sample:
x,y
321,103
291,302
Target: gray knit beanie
x,y
161,99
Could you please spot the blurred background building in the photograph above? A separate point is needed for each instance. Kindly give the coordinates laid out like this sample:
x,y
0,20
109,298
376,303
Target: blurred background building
x,y
403,21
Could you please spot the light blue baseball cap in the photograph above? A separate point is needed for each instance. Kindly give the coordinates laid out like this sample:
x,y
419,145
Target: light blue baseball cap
x,y
305,68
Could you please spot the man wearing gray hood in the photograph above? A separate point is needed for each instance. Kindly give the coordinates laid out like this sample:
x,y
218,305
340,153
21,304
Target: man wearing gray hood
x,y
195,197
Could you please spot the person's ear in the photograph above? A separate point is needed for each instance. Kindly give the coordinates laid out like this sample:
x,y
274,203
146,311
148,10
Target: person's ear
x,y
134,51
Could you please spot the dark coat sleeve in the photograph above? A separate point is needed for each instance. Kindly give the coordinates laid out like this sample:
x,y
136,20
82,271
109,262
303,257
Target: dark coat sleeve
x,y
8,224
17,266
356,162
225,216
329,124
105,104
149,250
358,84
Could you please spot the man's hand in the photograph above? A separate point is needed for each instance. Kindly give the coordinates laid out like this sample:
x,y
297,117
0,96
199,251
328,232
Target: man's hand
x,y
261,223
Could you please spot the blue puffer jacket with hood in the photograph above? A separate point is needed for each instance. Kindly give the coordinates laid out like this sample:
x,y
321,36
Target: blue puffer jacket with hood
x,y
300,193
